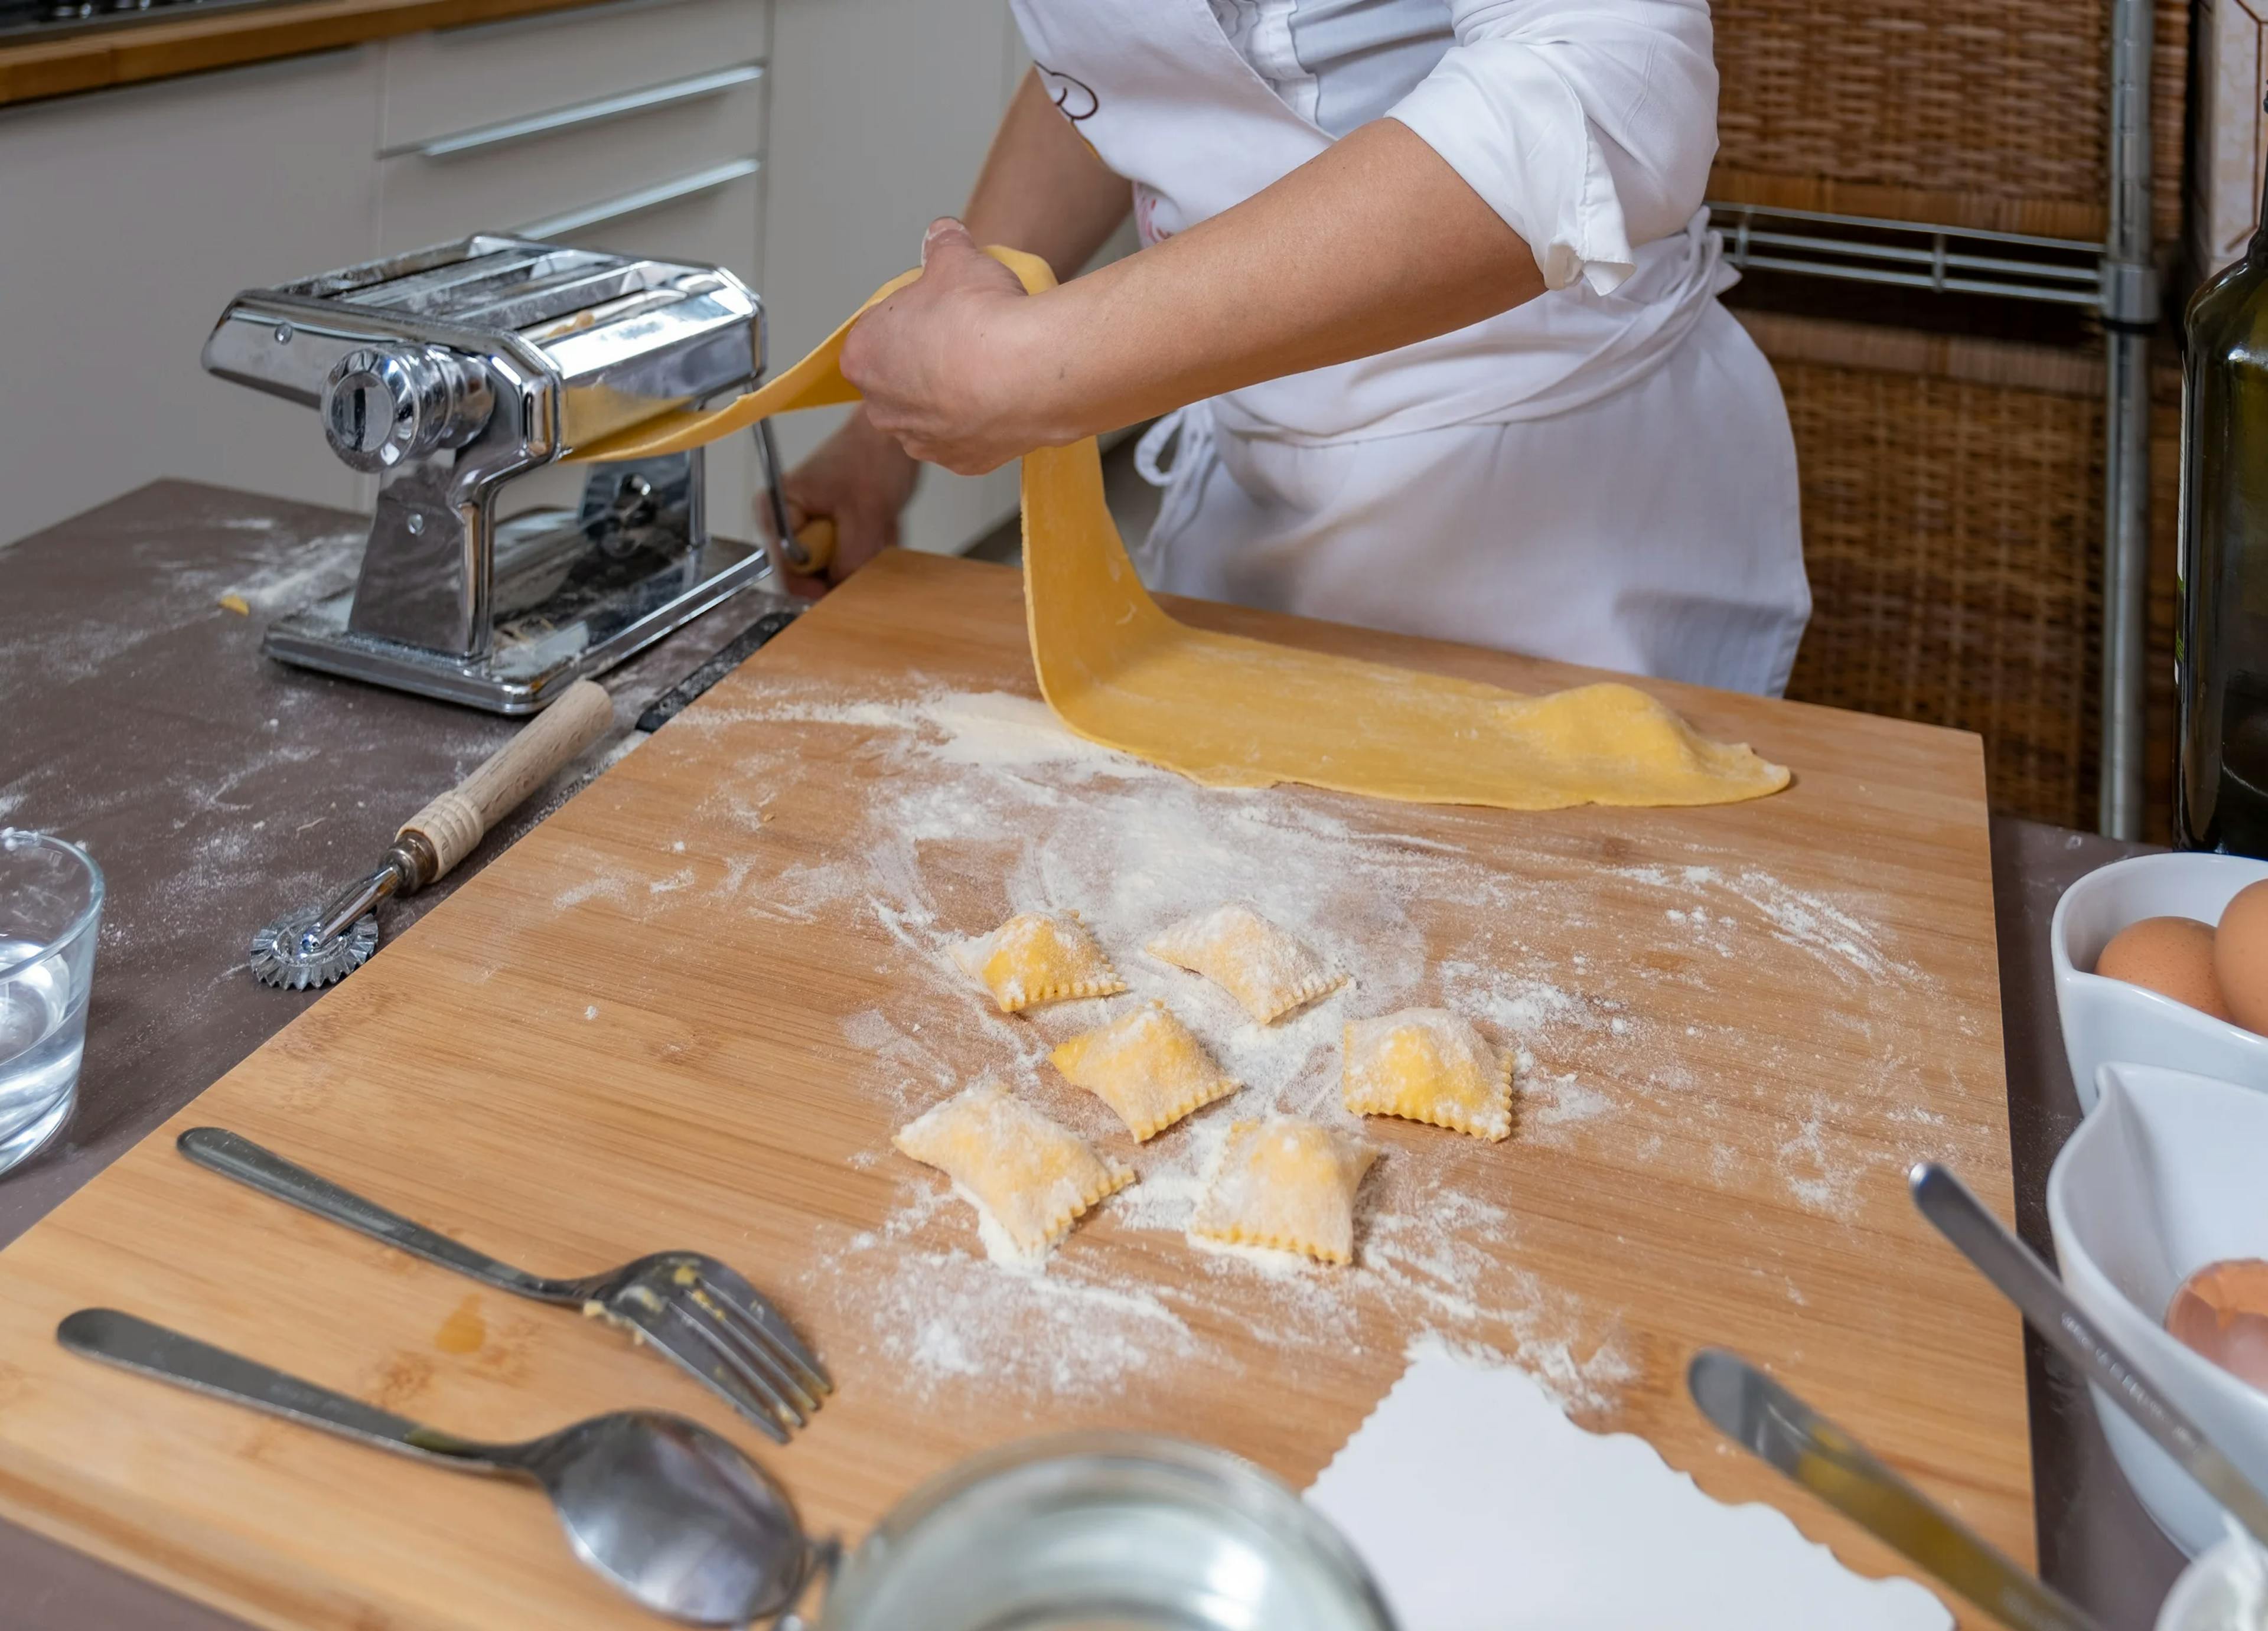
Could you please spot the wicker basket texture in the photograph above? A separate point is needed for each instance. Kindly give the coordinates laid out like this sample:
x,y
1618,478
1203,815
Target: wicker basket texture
x,y
1992,114
1953,530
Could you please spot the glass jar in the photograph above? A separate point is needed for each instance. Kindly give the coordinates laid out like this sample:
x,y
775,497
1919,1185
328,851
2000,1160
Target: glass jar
x,y
1104,1531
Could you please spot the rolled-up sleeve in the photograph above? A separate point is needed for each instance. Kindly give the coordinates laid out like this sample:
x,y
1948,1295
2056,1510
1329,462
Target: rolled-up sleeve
x,y
1589,125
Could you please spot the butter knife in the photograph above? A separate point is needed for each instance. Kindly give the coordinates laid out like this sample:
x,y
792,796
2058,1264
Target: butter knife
x,y
1761,1416
2032,1286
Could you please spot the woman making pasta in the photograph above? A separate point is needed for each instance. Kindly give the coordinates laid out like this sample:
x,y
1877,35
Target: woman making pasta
x,y
1426,301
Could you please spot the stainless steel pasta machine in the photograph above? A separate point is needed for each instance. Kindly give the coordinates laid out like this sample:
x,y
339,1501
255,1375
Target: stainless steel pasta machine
x,y
452,373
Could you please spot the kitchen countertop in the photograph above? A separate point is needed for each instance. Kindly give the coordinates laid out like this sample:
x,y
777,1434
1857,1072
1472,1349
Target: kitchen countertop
x,y
192,40
217,787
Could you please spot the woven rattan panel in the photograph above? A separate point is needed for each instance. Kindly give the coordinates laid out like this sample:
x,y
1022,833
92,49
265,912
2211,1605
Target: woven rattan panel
x,y
1983,113
1953,531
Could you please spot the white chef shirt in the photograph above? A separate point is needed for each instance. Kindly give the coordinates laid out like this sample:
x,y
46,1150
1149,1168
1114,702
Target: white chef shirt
x,y
1587,125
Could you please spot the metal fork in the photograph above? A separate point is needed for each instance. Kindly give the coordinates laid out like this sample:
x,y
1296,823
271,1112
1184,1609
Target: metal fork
x,y
716,1326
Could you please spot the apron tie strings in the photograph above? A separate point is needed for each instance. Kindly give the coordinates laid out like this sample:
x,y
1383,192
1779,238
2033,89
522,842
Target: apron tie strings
x,y
1188,431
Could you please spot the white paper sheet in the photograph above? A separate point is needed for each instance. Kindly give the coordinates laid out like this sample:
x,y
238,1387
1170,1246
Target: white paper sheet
x,y
1480,1507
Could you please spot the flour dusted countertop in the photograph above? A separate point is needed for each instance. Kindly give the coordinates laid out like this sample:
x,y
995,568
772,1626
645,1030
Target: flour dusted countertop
x,y
102,571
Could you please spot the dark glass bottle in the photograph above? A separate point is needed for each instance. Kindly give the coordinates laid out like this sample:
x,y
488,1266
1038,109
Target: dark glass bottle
x,y
2220,645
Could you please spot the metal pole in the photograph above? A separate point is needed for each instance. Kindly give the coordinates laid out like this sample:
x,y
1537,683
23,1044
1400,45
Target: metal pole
x,y
2126,588
2130,313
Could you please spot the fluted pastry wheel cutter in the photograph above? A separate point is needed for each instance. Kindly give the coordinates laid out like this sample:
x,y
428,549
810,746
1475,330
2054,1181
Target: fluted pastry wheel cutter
x,y
315,945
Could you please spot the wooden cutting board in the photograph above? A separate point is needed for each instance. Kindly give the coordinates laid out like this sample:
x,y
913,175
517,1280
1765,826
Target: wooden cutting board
x,y
689,1011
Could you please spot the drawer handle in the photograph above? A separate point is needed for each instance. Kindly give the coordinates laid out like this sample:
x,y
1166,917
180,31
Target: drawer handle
x,y
597,111
637,203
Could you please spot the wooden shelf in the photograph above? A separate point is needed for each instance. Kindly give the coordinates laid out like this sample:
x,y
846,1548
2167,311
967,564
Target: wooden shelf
x,y
192,43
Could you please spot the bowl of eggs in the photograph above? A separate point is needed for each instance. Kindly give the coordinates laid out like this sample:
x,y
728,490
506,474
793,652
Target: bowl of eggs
x,y
2163,960
2161,1239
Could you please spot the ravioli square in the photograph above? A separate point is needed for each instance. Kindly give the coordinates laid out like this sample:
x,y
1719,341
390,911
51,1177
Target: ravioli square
x,y
1147,1066
1033,1178
1286,1184
1427,1064
1268,970
1040,956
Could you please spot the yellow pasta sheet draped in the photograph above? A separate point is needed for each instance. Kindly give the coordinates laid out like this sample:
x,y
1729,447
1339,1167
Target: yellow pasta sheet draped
x,y
1233,712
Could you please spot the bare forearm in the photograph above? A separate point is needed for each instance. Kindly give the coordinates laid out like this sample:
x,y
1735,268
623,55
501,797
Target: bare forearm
x,y
1043,188
1373,245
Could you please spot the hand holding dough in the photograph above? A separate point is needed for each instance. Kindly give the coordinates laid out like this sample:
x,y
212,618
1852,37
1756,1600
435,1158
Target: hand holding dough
x,y
1233,712
935,362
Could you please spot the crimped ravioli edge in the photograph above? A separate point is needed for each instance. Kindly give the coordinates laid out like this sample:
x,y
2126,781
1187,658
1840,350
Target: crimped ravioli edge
x,y
1309,991
1454,1122
1109,985
1222,1086
1238,1235
1114,1178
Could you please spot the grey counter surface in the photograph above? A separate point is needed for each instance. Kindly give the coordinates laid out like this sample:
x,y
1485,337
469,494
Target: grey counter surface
x,y
216,789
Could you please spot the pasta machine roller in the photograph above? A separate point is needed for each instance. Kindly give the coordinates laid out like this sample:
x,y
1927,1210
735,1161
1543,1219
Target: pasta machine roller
x,y
452,373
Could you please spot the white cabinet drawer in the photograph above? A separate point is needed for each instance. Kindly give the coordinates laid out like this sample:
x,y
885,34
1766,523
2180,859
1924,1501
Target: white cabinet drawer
x,y
572,179
460,79
713,219
128,218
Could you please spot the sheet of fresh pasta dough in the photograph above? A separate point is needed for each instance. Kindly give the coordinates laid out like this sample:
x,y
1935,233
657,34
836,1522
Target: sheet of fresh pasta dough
x,y
1234,712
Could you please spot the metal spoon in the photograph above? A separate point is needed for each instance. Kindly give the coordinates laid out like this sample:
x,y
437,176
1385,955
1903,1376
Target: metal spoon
x,y
2027,1282
670,1512
1761,1416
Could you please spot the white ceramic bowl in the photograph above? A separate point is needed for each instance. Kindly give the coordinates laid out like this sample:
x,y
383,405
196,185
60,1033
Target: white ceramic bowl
x,y
2212,1592
2105,1020
2163,1178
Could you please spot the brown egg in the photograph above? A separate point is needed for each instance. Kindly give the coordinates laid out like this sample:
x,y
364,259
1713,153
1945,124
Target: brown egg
x,y
2172,956
2221,1311
2240,956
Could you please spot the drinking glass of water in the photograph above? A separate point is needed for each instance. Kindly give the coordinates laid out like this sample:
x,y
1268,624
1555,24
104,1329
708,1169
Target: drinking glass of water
x,y
50,906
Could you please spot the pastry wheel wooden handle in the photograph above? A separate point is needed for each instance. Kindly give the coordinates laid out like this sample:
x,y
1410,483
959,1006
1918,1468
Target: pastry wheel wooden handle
x,y
452,824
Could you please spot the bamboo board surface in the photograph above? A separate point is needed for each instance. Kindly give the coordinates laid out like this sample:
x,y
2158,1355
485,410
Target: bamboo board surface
x,y
690,1008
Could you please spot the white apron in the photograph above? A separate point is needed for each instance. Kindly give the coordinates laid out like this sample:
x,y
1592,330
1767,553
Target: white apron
x,y
1605,478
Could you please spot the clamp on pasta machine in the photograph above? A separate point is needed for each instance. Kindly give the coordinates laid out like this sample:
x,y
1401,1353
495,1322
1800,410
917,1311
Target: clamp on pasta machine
x,y
452,373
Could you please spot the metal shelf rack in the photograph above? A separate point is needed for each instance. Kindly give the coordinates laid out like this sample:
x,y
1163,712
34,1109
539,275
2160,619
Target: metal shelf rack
x,y
2116,279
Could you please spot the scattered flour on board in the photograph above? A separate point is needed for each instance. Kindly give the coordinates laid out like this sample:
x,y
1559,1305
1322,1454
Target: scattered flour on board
x,y
1837,938
982,805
